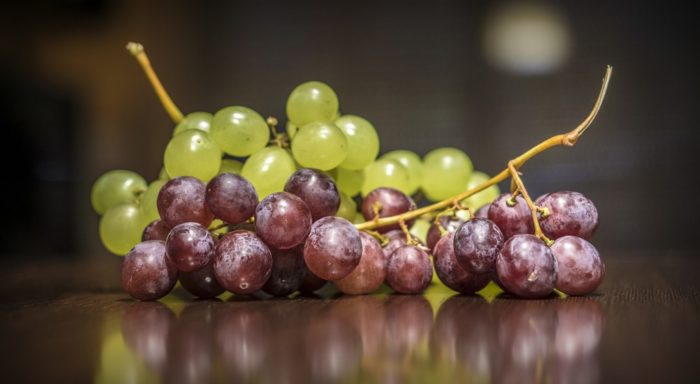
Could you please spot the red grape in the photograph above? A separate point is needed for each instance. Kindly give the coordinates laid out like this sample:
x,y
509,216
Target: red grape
x,y
202,283
156,230
282,220
181,200
369,273
451,273
391,202
526,267
477,243
483,212
190,246
288,272
580,268
448,223
231,198
333,248
570,213
242,262
409,270
147,271
513,220
317,190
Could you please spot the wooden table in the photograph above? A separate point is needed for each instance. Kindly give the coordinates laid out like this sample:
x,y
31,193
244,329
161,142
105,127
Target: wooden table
x,y
70,323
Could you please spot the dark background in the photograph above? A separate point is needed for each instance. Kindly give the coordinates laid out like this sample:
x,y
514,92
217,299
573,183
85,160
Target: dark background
x,y
75,104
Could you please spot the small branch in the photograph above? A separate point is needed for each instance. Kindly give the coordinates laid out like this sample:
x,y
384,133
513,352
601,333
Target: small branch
x,y
139,53
533,208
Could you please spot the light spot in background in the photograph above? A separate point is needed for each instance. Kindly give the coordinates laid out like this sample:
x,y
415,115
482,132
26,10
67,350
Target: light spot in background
x,y
528,38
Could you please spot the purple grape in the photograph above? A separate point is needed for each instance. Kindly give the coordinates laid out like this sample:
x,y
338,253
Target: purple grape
x,y
409,270
396,238
147,271
391,201
570,213
282,220
242,262
288,272
580,269
317,190
449,223
477,243
526,267
333,248
190,246
369,273
311,282
156,230
515,220
182,200
202,283
231,198
451,273
483,212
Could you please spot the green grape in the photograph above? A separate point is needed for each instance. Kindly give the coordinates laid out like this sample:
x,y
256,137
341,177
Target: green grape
x,y
312,101
349,182
320,145
239,131
363,142
291,130
192,153
445,173
359,219
194,120
348,207
163,174
115,187
231,166
385,173
484,197
121,227
420,229
149,199
413,164
268,170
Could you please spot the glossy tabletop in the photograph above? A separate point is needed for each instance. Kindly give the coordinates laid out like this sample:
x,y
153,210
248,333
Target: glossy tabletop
x,y
71,323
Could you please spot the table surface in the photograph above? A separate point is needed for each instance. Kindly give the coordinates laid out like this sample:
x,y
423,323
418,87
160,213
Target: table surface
x,y
70,322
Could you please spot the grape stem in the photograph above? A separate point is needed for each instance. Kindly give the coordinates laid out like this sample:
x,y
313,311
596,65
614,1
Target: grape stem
x,y
139,53
533,208
568,139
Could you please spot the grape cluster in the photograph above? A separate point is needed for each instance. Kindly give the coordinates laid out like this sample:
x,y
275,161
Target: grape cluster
x,y
242,207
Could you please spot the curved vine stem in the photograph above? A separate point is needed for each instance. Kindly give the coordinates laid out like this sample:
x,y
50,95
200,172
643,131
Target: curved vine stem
x,y
139,54
566,139
533,208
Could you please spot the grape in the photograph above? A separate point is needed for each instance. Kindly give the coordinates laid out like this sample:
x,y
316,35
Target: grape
x,y
391,202
121,228
156,230
451,273
386,173
320,145
202,282
312,101
526,267
513,220
348,208
239,131
288,272
231,166
268,170
163,174
476,244
333,248
231,198
181,200
483,212
311,283
484,197
349,182
396,239
282,220
570,213
409,270
369,273
147,271
192,153
317,190
445,173
448,223
115,187
190,246
363,142
242,262
413,164
195,120
291,130
580,269
149,201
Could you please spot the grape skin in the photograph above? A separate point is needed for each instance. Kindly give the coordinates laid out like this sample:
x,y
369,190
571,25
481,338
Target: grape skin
x,y
320,145
268,170
386,173
156,230
121,228
369,273
288,272
239,131
115,187
317,190
333,248
446,172
282,220
391,202
570,213
477,243
413,164
195,120
448,223
202,283
242,262
363,142
182,200
312,101
147,271
526,267
513,220
409,270
483,212
192,153
190,246
580,268
451,273
231,198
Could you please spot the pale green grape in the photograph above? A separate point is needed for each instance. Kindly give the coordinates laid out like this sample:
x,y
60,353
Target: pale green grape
x,y
413,164
348,207
484,197
231,166
149,200
420,229
121,227
115,187
239,131
349,182
359,219
385,173
194,120
445,173
320,145
268,170
163,174
291,130
363,142
312,101
192,153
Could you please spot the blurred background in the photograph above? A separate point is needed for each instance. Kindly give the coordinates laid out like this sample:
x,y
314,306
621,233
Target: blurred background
x,y
489,77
